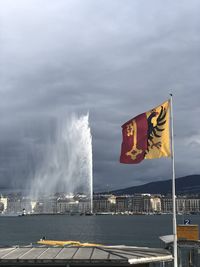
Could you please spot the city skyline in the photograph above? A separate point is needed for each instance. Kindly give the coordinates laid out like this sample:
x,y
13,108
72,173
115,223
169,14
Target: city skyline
x,y
112,59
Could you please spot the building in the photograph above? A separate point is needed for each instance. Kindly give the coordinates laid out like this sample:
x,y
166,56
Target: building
x,y
139,203
67,205
26,205
122,204
155,204
84,206
104,203
183,205
166,205
14,204
187,205
3,204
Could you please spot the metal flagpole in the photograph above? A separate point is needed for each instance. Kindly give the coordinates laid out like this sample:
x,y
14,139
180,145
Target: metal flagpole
x,y
173,187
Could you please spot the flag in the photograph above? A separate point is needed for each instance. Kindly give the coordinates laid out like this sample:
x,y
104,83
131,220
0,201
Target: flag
x,y
147,136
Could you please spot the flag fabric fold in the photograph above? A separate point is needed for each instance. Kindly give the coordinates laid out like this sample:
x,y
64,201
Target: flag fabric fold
x,y
147,136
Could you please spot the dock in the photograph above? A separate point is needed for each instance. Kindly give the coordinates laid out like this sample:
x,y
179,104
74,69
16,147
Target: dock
x,y
83,256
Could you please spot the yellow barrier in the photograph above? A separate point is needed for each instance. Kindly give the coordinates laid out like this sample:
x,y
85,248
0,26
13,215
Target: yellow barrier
x,y
64,243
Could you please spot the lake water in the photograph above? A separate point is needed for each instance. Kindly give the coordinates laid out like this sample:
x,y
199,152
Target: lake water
x,y
104,229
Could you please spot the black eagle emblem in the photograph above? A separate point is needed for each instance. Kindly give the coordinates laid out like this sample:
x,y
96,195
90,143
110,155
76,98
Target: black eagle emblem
x,y
155,131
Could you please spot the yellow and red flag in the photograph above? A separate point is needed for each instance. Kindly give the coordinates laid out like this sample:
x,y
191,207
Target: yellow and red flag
x,y
147,136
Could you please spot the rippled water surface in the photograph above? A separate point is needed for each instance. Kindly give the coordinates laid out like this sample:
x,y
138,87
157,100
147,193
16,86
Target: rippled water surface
x,y
108,229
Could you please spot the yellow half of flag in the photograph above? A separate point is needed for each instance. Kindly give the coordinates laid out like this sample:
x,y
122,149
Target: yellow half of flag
x,y
158,133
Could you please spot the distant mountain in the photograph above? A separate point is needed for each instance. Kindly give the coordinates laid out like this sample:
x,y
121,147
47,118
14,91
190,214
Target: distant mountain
x,y
184,185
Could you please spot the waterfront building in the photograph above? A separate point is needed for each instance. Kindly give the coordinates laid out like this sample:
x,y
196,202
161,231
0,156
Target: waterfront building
x,y
183,204
33,205
187,205
166,204
146,204
121,204
50,205
140,203
3,204
84,206
104,203
67,205
45,205
136,205
155,204
38,208
26,205
14,205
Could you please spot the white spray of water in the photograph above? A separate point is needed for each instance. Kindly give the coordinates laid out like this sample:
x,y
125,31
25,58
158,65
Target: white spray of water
x,y
68,162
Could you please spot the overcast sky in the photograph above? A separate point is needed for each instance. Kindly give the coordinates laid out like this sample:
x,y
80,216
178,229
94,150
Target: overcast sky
x,y
113,58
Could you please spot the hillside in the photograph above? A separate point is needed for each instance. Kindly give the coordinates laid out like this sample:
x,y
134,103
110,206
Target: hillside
x,y
184,185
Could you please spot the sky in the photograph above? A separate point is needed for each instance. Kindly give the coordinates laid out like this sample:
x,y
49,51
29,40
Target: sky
x,y
112,58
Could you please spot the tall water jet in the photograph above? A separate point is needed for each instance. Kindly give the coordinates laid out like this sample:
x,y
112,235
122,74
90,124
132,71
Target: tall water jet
x,y
67,166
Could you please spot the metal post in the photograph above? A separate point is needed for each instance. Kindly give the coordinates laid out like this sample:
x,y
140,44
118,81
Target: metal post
x,y
173,187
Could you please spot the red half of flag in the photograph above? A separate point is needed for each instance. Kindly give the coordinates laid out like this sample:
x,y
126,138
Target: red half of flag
x,y
134,140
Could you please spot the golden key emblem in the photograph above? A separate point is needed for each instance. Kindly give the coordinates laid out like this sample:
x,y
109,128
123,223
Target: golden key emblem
x,y
132,131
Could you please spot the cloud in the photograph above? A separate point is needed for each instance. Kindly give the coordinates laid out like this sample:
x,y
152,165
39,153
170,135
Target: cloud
x,y
114,59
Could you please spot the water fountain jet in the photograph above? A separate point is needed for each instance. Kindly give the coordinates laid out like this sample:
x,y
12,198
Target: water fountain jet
x,y
67,166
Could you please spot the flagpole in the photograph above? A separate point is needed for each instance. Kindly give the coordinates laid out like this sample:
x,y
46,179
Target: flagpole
x,y
173,186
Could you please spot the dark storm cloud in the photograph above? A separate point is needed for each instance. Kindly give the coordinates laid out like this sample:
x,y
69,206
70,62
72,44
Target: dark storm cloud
x,y
115,59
